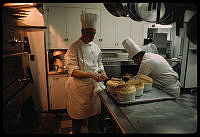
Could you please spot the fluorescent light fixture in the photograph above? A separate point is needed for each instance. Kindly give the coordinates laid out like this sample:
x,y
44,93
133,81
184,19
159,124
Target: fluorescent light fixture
x,y
17,4
161,26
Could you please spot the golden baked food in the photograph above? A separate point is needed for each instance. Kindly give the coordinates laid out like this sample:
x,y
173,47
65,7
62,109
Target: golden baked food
x,y
135,81
145,78
126,89
147,82
127,75
126,92
115,79
139,85
113,83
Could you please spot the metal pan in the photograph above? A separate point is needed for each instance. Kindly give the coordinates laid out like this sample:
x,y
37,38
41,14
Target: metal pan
x,y
169,17
110,8
132,13
149,14
117,9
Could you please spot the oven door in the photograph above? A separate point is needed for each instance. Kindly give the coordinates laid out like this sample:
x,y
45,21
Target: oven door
x,y
17,81
17,78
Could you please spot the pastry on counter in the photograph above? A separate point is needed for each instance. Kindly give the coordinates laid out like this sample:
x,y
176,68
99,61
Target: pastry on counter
x,y
127,76
126,92
139,85
113,83
147,82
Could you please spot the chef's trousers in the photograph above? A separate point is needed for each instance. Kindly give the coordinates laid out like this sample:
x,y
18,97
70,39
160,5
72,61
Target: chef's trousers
x,y
92,123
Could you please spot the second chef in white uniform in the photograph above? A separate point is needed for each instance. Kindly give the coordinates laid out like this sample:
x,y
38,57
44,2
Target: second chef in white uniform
x,y
154,66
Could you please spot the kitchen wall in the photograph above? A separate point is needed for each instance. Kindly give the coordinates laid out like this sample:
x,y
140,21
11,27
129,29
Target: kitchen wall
x,y
137,28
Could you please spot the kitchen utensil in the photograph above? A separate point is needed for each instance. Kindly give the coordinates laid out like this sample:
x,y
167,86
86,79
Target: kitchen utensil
x,y
132,13
149,15
110,8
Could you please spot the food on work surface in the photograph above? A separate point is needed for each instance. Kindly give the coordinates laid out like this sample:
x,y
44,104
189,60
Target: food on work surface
x,y
147,82
127,75
139,85
126,92
113,83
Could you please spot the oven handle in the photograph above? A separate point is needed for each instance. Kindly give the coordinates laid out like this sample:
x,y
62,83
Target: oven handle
x,y
17,92
26,78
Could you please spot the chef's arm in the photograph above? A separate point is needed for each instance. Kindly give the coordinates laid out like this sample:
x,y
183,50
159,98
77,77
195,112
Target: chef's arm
x,y
82,74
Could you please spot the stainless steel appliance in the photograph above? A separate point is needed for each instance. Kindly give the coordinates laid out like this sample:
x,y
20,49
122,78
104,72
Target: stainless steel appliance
x,y
118,68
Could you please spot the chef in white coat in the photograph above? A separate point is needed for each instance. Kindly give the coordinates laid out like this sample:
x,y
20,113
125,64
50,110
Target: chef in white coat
x,y
85,68
154,66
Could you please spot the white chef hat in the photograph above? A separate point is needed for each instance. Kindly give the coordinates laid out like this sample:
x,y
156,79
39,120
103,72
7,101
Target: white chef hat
x,y
88,20
131,47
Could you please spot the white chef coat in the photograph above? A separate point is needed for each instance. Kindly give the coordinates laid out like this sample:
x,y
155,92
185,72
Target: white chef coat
x,y
150,48
164,77
80,98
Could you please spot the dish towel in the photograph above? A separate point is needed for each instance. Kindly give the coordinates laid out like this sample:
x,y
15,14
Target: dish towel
x,y
99,86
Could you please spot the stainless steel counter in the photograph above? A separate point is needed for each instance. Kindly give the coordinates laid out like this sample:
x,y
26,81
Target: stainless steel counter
x,y
170,116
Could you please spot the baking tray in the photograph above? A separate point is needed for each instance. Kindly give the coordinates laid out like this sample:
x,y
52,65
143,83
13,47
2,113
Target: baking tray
x,y
153,95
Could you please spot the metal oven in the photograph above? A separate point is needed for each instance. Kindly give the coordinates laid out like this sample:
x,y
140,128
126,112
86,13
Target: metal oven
x,y
17,76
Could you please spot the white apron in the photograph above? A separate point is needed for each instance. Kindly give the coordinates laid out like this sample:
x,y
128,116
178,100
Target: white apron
x,y
81,100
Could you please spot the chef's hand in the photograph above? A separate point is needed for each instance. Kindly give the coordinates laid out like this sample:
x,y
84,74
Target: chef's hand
x,y
97,77
103,77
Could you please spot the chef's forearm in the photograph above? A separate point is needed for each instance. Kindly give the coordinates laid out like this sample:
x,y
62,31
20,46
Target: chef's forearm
x,y
82,74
